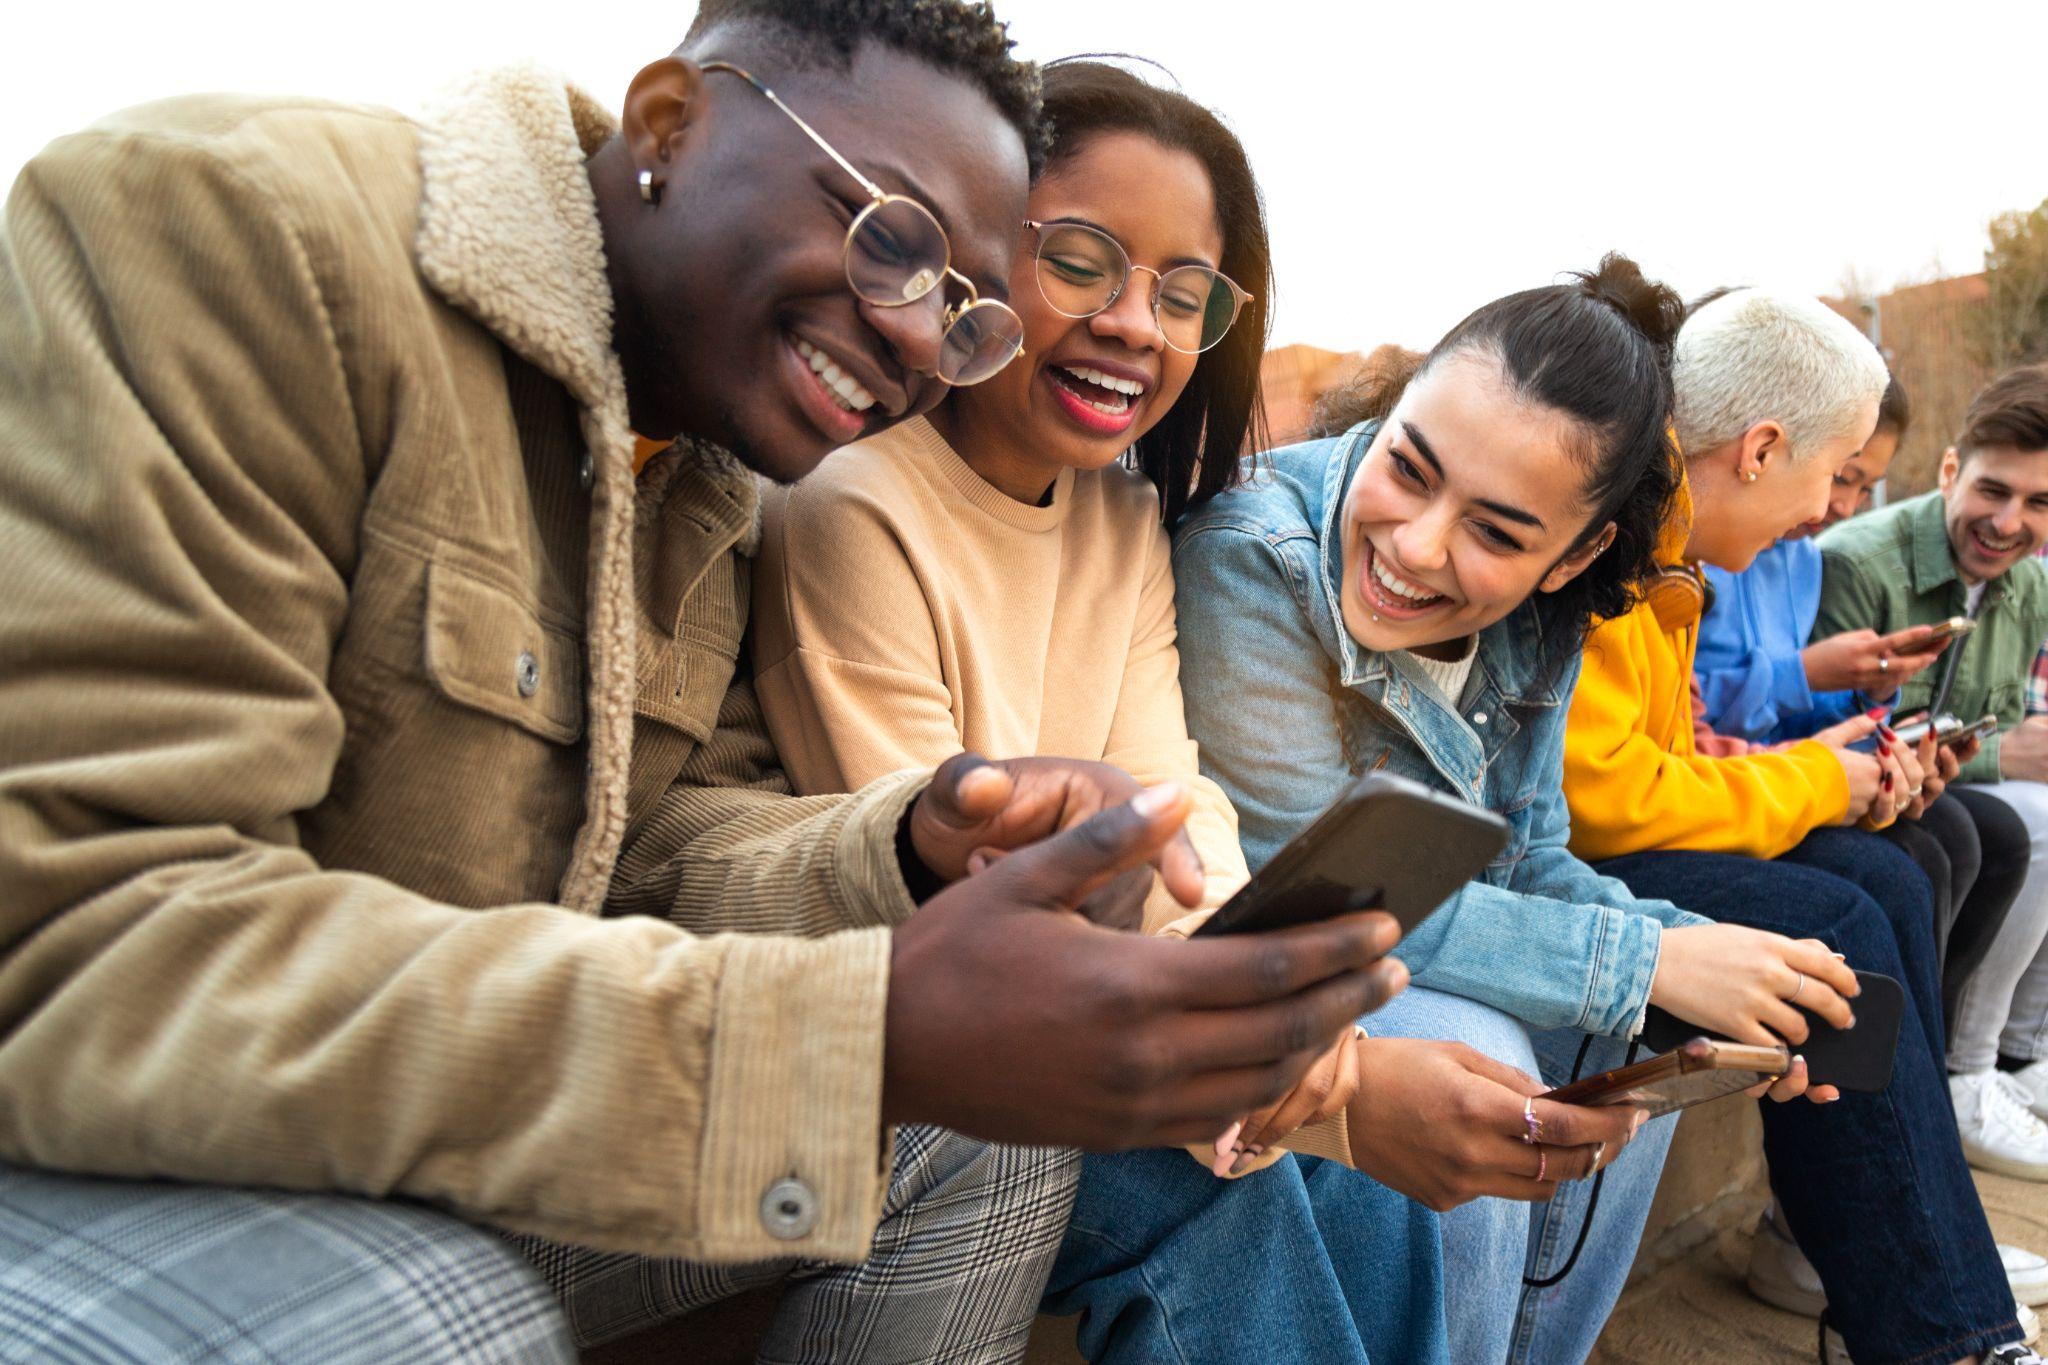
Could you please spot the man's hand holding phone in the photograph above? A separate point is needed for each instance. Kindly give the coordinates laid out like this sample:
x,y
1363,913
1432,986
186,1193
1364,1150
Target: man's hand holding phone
x,y
1011,1017
1444,1124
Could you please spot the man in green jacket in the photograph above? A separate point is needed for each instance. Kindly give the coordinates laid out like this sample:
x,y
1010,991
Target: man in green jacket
x,y
1968,549
376,789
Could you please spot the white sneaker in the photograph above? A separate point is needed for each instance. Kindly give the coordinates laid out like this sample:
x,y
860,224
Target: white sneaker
x,y
2030,1084
1999,1132
1779,1272
2026,1273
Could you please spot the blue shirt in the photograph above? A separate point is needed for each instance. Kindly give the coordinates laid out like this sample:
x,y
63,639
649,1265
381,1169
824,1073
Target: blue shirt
x,y
1288,710
1751,676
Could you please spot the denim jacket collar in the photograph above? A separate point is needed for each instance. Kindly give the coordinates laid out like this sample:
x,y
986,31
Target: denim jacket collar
x,y
1513,666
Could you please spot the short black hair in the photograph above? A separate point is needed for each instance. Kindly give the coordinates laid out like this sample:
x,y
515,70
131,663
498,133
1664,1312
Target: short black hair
x,y
1194,451
958,37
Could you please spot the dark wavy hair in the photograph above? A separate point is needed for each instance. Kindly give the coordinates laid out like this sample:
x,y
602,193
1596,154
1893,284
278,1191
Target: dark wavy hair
x,y
1598,349
1193,452
953,36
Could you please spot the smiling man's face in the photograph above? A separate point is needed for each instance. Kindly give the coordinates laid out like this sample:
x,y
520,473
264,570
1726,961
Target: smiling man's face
x,y
736,322
1996,508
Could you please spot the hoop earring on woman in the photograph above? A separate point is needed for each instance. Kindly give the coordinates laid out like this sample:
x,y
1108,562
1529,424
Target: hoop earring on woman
x,y
649,191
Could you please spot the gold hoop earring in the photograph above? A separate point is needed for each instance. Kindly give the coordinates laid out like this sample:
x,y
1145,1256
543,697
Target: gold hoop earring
x,y
649,191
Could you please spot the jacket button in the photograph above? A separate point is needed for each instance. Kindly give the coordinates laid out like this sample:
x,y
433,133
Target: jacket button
x,y
586,472
789,1210
1479,718
529,673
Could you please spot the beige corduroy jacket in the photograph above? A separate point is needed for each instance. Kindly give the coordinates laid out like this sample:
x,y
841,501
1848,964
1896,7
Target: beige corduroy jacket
x,y
346,677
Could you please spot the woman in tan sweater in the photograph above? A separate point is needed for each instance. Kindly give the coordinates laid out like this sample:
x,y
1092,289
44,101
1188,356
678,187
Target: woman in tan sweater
x,y
996,577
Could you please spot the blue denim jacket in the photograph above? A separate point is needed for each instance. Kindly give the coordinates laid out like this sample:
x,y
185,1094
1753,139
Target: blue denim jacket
x,y
1288,709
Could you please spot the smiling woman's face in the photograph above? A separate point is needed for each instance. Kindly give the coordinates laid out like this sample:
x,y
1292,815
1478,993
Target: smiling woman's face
x,y
1466,504
1051,403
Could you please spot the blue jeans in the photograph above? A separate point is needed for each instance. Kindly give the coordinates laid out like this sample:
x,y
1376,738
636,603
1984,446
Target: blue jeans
x,y
1490,1244
1303,1261
1874,1187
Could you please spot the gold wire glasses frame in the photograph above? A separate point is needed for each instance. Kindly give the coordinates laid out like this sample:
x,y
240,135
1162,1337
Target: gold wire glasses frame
x,y
896,253
1083,271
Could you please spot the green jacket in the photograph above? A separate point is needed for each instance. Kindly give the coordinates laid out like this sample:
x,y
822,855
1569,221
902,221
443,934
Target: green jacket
x,y
1890,569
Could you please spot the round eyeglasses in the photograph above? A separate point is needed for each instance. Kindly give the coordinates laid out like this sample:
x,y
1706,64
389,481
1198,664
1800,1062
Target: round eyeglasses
x,y
1083,270
896,254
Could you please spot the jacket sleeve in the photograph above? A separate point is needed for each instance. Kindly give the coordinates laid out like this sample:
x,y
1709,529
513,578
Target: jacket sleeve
x,y
187,993
1148,738
1629,794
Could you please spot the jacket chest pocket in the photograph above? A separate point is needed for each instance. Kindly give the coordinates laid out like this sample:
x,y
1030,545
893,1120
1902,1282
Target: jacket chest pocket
x,y
487,650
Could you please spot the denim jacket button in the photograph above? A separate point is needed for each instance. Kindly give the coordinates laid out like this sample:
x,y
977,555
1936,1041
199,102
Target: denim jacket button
x,y
1479,718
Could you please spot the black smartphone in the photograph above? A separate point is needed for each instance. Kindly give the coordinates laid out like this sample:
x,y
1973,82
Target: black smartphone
x,y
1386,844
1858,1058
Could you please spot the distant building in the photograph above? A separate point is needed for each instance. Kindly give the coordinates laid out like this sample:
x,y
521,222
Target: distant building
x,y
1293,379
1924,331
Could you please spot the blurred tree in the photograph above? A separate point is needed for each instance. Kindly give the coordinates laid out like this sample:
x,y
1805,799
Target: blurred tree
x,y
2013,327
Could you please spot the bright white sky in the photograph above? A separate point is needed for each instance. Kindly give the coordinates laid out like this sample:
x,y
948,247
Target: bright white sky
x,y
1418,157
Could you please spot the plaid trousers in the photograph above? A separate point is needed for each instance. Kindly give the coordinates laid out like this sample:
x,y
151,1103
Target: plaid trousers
x,y
102,1271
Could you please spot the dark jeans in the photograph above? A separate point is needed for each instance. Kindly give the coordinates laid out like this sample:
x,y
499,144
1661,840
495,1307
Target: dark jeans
x,y
1874,1187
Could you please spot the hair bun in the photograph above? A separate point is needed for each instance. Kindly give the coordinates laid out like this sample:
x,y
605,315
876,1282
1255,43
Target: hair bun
x,y
1653,309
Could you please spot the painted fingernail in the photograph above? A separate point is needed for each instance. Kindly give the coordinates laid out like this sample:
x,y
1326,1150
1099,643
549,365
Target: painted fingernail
x,y
1875,713
1891,735
1798,1062
1226,1141
1153,800
1841,957
1887,783
1636,1127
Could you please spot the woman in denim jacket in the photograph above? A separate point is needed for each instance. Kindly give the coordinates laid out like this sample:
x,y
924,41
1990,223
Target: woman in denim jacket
x,y
1411,596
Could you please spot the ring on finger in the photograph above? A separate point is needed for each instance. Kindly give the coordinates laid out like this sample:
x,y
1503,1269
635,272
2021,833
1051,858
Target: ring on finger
x,y
1599,1154
1884,663
1797,990
1531,1125
1542,1165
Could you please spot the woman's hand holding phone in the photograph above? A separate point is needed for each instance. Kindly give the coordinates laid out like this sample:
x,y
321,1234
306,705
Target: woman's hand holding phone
x,y
1742,984
1444,1124
1879,787
1873,664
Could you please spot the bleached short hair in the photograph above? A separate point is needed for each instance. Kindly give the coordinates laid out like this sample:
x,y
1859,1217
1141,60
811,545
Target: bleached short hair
x,y
1756,356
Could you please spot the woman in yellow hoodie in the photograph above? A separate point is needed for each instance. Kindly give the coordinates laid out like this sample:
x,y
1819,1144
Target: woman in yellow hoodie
x,y
1772,396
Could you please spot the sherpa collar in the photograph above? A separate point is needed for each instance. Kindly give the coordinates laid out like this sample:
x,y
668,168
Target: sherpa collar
x,y
508,233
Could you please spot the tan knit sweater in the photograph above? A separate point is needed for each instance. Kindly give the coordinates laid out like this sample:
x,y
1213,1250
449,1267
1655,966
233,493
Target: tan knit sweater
x,y
906,609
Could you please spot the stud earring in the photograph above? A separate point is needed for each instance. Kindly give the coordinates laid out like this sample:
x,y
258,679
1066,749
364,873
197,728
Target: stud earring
x,y
649,191
1748,475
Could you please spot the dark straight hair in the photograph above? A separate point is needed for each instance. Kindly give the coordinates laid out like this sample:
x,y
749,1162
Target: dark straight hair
x,y
1193,452
1597,349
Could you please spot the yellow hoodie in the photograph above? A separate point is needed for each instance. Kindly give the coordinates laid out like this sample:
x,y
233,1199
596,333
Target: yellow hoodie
x,y
1631,776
